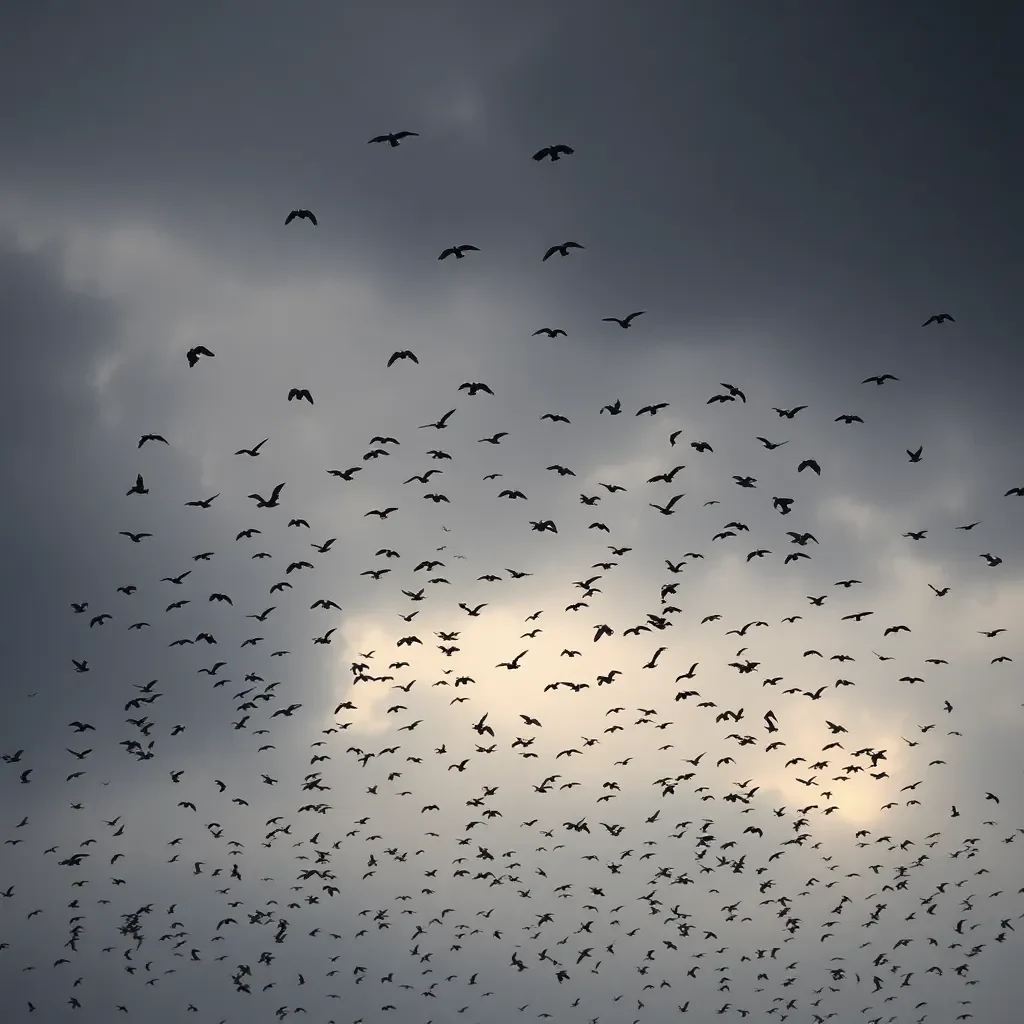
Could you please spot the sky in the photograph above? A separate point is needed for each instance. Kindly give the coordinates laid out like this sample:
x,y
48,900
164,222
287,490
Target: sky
x,y
788,192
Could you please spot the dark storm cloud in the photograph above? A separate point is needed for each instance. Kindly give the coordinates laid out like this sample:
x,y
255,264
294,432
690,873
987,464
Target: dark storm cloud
x,y
788,192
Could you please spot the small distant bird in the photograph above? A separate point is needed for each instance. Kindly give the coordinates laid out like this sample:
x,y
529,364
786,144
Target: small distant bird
x,y
458,251
302,215
551,332
937,318
403,354
254,451
193,354
152,437
880,380
915,456
625,322
299,394
553,152
563,249
392,138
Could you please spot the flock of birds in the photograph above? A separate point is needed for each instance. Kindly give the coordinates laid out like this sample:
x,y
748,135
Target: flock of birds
x,y
626,896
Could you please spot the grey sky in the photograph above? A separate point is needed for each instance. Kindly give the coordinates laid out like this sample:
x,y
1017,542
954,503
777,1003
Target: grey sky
x,y
788,191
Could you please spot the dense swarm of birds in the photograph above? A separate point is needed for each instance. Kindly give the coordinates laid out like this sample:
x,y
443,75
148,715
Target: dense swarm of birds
x,y
685,885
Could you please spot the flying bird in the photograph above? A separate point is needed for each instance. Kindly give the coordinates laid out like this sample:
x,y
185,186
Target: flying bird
x,y
458,251
402,354
255,450
553,153
193,354
562,249
625,321
392,138
302,215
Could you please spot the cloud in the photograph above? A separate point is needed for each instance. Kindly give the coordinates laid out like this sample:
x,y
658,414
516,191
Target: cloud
x,y
723,182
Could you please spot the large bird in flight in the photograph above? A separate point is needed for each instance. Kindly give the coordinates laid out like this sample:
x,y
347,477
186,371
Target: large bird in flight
x,y
458,251
625,321
553,153
392,138
302,215
563,249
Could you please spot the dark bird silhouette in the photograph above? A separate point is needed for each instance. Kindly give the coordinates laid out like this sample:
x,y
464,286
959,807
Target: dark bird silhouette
x,y
562,249
255,450
152,437
625,321
441,423
402,354
193,354
937,318
551,332
458,251
392,138
553,153
272,501
302,215
298,394
879,380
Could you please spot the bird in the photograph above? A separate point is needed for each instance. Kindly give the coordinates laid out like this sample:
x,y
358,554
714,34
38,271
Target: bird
x,y
402,354
551,332
270,502
152,437
302,215
553,153
298,394
458,251
193,354
392,138
625,321
202,502
879,380
562,249
937,318
255,450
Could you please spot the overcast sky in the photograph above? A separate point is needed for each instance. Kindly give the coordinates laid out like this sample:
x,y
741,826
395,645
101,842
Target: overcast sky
x,y
788,191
